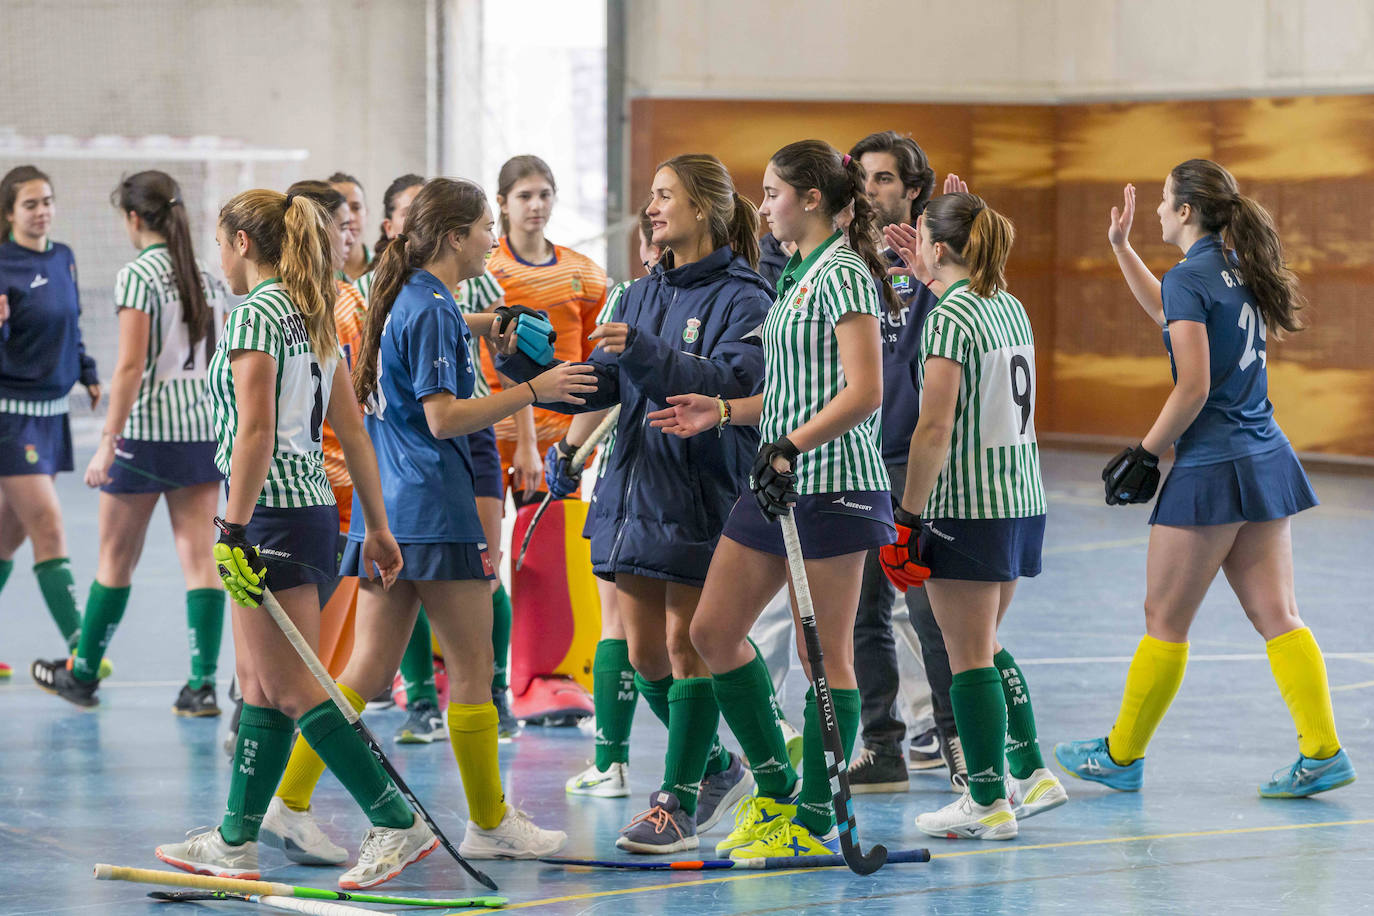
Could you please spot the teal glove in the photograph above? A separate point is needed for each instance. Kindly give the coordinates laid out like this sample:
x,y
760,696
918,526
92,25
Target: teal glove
x,y
242,570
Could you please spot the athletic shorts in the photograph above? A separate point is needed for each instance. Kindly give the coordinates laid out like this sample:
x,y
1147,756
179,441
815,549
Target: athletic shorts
x,y
1257,488
34,445
983,549
299,546
828,524
156,467
448,562
486,464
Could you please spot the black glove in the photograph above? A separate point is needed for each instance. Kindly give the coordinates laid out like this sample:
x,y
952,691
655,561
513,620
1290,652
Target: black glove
x,y
1131,477
774,490
560,476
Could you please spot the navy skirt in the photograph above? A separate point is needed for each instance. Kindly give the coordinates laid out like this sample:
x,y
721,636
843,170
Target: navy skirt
x,y
983,549
828,524
1257,488
299,546
486,464
34,445
447,562
156,467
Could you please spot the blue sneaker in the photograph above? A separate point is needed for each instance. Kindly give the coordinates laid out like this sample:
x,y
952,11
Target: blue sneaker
x,y
1309,776
1090,760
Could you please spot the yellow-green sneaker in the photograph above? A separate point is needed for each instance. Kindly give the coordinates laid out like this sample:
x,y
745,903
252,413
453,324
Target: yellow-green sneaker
x,y
788,838
756,816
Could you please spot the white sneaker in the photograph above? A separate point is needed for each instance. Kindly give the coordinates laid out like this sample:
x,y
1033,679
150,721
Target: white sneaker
x,y
516,837
1038,792
386,851
794,742
966,819
208,854
612,783
298,835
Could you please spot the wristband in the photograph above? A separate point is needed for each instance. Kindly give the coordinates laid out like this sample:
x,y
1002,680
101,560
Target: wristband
x,y
533,394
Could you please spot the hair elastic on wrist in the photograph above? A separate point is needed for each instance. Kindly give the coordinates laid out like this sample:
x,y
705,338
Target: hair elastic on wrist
x,y
534,394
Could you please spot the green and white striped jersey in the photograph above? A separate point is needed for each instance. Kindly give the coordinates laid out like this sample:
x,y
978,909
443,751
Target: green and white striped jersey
x,y
474,296
172,404
364,283
802,370
269,321
993,466
606,314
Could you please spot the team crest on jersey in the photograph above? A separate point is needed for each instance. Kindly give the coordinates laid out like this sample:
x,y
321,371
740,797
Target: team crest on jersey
x,y
31,454
692,331
801,297
576,284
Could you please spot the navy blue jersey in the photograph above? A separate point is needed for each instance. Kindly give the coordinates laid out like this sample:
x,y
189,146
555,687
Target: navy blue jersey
x,y
41,352
427,483
901,354
1237,420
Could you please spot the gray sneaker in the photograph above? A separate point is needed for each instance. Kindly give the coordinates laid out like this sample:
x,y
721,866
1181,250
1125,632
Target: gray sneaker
x,y
720,792
665,827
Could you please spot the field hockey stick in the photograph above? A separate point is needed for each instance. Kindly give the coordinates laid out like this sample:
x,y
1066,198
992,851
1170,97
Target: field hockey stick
x,y
756,863
271,901
836,765
579,458
312,661
274,888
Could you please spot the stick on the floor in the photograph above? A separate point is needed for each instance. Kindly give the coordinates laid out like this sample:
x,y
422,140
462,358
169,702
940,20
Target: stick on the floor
x,y
271,901
759,863
836,765
276,888
312,662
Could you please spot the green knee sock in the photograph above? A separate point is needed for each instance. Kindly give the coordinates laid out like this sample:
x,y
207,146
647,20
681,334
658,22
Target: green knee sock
x,y
6,567
260,754
417,664
204,629
1023,750
745,697
500,638
692,720
328,733
814,808
655,694
614,695
59,591
104,609
718,758
980,715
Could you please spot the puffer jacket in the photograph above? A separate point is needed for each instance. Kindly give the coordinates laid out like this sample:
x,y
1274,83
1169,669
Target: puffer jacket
x,y
661,506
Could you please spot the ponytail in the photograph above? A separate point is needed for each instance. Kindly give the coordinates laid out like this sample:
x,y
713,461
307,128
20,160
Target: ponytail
x,y
390,272
443,207
1249,230
989,244
156,198
977,236
863,234
307,271
744,231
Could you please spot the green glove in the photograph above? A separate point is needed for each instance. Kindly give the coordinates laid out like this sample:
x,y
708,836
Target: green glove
x,y
240,567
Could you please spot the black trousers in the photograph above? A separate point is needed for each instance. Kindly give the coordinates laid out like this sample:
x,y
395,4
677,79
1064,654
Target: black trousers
x,y
875,652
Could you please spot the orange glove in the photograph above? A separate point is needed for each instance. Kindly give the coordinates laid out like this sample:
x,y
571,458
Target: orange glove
x,y
902,561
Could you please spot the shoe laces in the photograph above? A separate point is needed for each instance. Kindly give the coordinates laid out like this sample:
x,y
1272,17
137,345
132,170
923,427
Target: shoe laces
x,y
379,844
956,751
519,822
657,817
747,812
864,759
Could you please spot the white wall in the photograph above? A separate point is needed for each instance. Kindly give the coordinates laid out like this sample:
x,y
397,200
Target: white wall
x,y
344,79
993,50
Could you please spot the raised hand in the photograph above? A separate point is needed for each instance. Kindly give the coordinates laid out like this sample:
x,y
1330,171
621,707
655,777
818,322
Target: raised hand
x,y
902,239
686,415
955,184
1119,230
564,382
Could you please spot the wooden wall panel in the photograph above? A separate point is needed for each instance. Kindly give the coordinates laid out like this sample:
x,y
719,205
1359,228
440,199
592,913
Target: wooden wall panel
x,y
1056,171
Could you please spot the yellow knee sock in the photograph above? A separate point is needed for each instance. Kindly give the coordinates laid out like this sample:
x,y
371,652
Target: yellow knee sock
x,y
1298,666
472,732
305,767
1151,683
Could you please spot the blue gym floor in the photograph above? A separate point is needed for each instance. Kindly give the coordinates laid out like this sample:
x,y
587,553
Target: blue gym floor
x,y
78,787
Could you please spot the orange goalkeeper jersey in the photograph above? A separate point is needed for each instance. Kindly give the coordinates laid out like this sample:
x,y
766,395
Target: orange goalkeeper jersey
x,y
349,313
572,289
